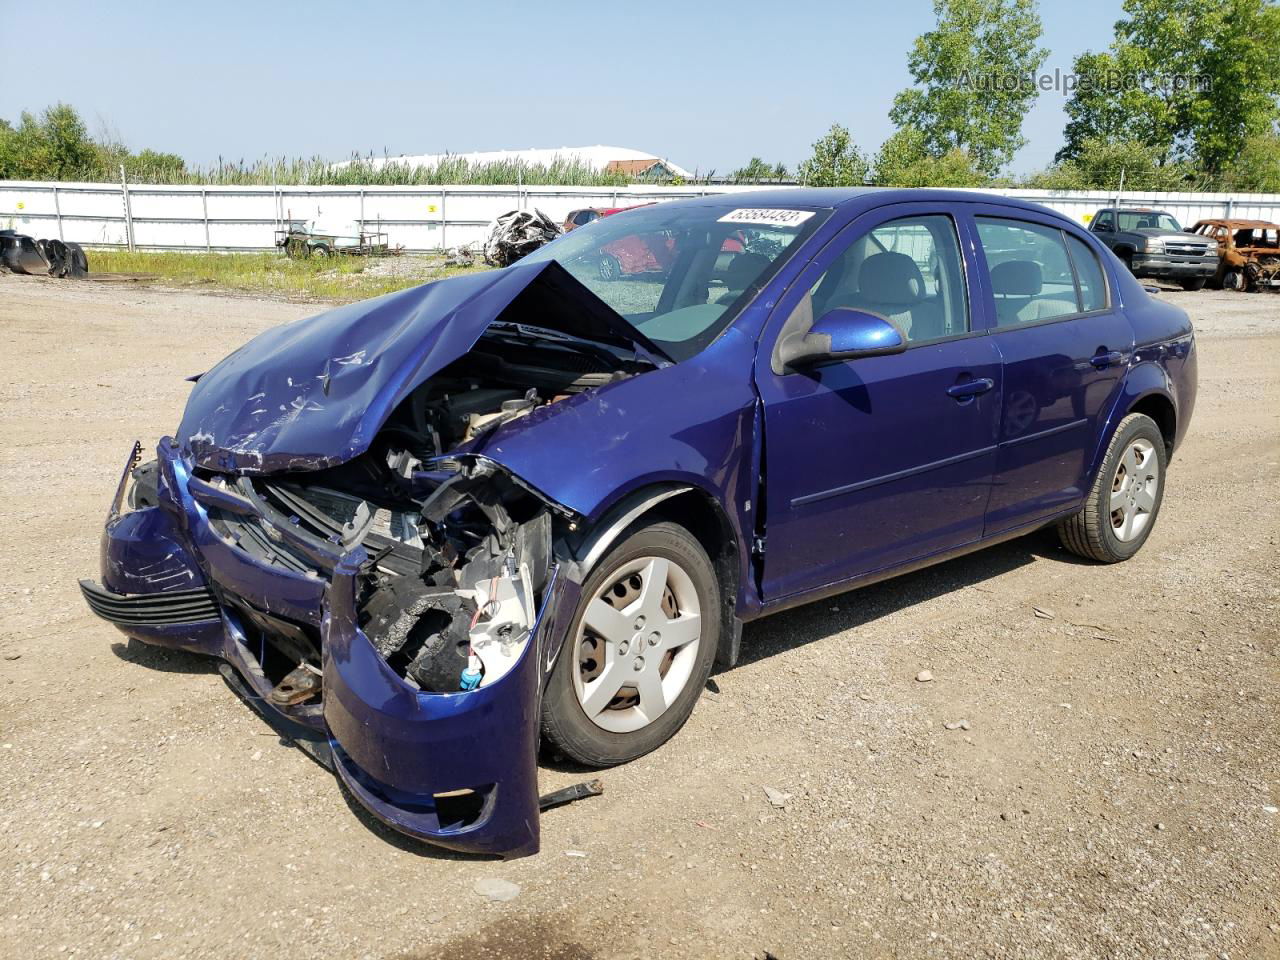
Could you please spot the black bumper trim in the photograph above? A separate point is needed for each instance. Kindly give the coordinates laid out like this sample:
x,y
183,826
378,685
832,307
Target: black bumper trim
x,y
151,609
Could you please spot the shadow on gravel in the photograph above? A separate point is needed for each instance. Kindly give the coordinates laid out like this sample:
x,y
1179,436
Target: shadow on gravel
x,y
794,628
163,659
515,938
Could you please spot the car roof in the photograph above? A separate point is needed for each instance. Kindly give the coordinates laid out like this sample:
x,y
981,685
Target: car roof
x,y
831,197
1241,224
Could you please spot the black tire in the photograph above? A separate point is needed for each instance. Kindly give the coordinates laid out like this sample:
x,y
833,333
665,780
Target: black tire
x,y
1126,257
1196,284
1233,280
565,725
610,267
1090,532
320,250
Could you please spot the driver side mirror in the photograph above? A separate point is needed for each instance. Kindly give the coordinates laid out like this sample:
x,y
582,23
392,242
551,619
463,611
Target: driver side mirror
x,y
841,334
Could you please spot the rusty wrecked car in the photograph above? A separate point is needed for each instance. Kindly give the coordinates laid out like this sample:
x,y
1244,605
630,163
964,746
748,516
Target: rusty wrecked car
x,y
431,530
1248,253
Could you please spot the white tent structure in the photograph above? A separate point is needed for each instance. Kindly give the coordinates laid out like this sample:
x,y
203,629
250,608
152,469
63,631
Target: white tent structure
x,y
600,158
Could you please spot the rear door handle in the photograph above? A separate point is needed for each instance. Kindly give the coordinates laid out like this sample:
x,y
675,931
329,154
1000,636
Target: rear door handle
x,y
1107,359
970,388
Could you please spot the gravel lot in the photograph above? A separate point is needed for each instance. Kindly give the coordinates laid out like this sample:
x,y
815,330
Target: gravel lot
x,y
1114,792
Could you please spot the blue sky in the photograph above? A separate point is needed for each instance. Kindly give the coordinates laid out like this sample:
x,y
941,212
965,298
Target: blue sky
x,y
706,85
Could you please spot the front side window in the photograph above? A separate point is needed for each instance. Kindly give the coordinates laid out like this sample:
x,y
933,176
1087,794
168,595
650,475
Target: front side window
x,y
679,273
1031,275
908,271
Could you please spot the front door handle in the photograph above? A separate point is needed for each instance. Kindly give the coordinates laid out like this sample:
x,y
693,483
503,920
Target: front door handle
x,y
970,388
1107,359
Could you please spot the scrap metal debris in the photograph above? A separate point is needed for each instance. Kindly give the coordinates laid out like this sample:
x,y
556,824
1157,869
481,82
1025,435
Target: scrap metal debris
x,y
54,258
462,256
517,234
579,791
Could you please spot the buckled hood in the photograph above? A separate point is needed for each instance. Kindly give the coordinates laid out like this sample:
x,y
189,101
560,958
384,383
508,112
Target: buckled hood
x,y
313,393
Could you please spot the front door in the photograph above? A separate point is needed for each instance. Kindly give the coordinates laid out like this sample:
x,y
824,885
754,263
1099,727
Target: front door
x,y
871,463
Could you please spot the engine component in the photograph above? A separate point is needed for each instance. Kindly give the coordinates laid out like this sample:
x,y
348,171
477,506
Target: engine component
x,y
299,685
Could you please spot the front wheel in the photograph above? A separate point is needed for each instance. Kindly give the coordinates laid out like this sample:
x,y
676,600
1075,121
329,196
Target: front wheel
x,y
1124,502
1233,280
639,651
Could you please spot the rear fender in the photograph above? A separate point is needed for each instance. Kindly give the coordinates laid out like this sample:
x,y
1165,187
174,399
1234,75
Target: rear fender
x,y
1144,380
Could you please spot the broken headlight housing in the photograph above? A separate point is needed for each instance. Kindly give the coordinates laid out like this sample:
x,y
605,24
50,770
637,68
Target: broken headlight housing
x,y
144,480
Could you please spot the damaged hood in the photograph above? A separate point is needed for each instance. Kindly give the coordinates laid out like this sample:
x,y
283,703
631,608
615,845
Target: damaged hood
x,y
313,393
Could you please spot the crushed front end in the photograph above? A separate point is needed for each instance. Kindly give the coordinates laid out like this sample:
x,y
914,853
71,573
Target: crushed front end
x,y
327,522
409,636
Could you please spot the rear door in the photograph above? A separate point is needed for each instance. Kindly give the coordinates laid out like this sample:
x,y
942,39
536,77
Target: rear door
x,y
871,463
1064,347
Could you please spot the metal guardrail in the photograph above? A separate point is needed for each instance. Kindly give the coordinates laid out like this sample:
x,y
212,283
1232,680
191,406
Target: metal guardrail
x,y
244,218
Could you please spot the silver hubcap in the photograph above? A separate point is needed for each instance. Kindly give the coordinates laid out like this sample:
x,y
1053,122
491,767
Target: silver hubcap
x,y
1133,491
637,644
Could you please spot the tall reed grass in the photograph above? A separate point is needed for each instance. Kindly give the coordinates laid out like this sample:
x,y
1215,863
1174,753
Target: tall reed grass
x,y
366,171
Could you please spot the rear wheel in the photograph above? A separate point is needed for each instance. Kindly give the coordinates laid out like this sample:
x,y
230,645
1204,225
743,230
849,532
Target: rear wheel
x,y
1194,284
639,650
1125,500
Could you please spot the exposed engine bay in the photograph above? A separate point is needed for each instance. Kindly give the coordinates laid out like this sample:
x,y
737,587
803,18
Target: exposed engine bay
x,y
458,551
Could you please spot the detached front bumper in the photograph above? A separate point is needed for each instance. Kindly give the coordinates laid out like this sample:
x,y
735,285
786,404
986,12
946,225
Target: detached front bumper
x,y
458,769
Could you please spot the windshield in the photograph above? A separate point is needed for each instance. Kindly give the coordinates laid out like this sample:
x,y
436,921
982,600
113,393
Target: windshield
x,y
1140,220
679,274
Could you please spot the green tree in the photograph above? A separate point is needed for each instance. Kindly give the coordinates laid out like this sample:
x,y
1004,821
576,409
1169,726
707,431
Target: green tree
x,y
155,167
1192,79
836,161
756,169
975,80
1099,165
53,146
904,160
1256,168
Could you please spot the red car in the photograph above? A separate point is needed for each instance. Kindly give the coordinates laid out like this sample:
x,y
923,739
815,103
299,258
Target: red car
x,y
634,254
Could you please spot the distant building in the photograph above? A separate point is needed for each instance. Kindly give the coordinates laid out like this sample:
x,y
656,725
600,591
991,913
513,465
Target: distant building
x,y
602,159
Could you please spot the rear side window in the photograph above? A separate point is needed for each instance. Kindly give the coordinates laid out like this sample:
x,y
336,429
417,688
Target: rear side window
x,y
1031,275
1093,288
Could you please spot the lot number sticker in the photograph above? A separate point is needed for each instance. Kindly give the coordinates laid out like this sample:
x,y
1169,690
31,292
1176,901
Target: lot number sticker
x,y
764,217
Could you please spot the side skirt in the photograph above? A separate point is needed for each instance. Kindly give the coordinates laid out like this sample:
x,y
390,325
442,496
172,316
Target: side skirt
x,y
941,556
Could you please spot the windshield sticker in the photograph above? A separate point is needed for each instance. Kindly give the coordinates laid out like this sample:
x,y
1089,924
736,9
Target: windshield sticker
x,y
764,217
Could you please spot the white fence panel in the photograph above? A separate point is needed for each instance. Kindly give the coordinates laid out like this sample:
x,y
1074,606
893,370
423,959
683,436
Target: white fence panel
x,y
422,217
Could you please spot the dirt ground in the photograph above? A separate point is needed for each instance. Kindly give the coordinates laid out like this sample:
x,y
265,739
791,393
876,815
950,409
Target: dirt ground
x,y
1115,792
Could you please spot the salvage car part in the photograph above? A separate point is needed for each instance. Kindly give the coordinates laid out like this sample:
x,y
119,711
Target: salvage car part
x,y
23,254
517,234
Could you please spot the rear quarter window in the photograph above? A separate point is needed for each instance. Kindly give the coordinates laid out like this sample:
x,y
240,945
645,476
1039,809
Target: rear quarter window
x,y
1093,286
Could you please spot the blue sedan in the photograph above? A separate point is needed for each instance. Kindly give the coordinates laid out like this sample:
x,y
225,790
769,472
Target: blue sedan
x,y
430,531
